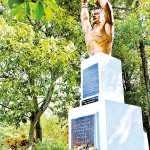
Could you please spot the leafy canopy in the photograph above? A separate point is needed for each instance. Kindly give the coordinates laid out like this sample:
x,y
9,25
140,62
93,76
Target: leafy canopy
x,y
28,70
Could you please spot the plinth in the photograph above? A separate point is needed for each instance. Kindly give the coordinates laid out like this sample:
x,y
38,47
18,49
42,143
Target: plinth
x,y
103,121
101,78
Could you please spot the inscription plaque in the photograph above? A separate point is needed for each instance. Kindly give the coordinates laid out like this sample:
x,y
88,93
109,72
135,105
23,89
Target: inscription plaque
x,y
89,101
83,131
90,81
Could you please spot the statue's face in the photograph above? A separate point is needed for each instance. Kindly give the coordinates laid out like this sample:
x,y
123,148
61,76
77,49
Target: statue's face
x,y
97,17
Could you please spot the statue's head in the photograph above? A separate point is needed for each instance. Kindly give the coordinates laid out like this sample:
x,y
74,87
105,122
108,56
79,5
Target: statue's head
x,y
97,17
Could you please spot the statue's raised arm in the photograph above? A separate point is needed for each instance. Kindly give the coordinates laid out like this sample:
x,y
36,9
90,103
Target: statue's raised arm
x,y
86,26
98,34
106,6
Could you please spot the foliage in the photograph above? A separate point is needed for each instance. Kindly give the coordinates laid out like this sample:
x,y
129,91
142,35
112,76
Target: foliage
x,y
51,146
128,34
26,57
25,66
29,70
53,130
54,136
17,143
12,137
37,9
1,139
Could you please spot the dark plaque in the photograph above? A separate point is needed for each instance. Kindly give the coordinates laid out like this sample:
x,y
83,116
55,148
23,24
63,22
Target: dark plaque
x,y
83,131
90,81
90,100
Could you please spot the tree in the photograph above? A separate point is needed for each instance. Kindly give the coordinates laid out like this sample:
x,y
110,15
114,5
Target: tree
x,y
29,70
132,47
46,22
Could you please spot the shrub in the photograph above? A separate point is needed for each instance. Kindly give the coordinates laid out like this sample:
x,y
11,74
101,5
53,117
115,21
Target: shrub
x,y
53,130
16,143
51,146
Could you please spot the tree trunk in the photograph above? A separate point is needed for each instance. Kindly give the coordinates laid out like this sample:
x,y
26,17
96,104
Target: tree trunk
x,y
38,131
31,133
35,126
146,78
126,82
35,117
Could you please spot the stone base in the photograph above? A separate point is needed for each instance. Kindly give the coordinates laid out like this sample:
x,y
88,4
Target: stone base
x,y
117,126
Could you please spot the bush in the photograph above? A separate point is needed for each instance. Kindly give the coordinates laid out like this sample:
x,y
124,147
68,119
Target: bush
x,y
51,146
16,143
55,135
53,131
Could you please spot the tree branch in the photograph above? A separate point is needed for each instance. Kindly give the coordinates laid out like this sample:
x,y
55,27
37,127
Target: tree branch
x,y
35,26
45,103
31,21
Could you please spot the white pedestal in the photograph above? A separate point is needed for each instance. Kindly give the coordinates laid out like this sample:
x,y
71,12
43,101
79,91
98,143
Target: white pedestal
x,y
103,120
117,127
101,76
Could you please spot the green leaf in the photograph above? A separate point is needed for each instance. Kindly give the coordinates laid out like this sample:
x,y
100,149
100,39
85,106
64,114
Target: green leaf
x,y
17,11
10,3
14,3
48,13
28,9
39,10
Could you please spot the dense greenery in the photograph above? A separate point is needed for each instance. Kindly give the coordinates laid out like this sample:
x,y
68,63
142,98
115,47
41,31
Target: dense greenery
x,y
40,52
55,138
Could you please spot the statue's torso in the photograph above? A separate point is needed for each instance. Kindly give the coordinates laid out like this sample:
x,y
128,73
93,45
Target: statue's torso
x,y
98,41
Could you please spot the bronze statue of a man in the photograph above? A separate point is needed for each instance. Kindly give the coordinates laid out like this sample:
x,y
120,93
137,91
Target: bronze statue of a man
x,y
98,34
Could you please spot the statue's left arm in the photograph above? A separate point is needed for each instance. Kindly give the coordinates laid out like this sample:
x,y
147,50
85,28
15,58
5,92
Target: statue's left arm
x,y
108,14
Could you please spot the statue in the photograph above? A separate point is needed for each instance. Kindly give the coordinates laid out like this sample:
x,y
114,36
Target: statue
x,y
98,34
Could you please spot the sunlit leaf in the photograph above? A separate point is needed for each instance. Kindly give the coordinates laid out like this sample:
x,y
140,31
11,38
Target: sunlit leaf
x,y
32,5
48,13
17,11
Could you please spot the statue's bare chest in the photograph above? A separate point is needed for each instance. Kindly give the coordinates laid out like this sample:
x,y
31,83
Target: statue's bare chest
x,y
97,36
